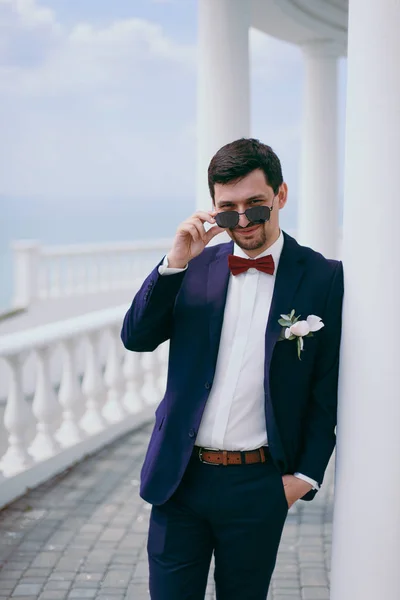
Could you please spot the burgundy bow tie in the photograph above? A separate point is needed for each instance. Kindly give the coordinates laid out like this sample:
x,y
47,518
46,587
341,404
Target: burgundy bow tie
x,y
238,265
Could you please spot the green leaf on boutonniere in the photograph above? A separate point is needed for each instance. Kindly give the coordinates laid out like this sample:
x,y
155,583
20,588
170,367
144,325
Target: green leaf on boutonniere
x,y
292,314
284,322
286,317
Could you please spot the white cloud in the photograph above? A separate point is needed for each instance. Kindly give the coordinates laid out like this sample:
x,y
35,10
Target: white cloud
x,y
28,13
89,57
27,33
95,110
109,110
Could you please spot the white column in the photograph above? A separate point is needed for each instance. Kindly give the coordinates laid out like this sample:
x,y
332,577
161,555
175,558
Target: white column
x,y
318,225
223,107
366,538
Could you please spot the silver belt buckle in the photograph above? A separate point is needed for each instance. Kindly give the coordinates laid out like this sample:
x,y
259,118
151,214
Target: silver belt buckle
x,y
206,461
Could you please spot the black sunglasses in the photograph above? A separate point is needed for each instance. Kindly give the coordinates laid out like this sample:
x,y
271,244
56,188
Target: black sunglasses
x,y
230,218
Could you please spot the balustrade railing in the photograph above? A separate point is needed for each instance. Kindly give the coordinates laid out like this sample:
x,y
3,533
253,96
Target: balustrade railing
x,y
95,392
43,272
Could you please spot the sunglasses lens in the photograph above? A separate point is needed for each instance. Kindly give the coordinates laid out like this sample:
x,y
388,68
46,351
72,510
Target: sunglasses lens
x,y
227,219
258,214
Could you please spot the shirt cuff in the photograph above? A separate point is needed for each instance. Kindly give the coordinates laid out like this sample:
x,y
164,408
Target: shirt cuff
x,y
164,269
308,480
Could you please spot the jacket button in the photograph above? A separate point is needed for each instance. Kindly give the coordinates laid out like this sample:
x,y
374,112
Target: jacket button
x,y
207,385
192,433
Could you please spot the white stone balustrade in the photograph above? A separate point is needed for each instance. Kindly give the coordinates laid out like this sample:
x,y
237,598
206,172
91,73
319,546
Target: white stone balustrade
x,y
103,392
44,272
54,272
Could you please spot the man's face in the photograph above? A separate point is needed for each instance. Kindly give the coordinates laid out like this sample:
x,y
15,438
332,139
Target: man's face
x,y
252,190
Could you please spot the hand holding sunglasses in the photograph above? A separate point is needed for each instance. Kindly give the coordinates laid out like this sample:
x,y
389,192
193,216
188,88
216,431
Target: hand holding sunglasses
x,y
229,219
191,238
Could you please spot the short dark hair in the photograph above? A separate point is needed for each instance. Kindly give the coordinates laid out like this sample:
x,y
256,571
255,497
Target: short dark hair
x,y
239,158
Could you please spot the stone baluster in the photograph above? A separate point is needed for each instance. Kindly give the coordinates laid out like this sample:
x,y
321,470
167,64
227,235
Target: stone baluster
x,y
132,271
150,390
114,273
88,289
70,276
163,354
114,410
133,373
69,398
94,274
43,281
132,274
109,271
55,277
16,419
45,408
93,388
104,273
123,271
85,275
80,275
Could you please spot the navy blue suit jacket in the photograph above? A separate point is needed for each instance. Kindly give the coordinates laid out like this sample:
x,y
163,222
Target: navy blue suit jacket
x,y
300,395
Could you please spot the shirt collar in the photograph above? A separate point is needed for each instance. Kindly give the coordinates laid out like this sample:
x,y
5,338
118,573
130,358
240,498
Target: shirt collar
x,y
275,250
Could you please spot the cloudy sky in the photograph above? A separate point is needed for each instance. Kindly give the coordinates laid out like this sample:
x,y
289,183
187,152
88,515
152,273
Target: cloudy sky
x,y
97,99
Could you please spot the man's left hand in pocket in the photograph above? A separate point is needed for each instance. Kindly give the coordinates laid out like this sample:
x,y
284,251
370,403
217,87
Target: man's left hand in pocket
x,y
295,488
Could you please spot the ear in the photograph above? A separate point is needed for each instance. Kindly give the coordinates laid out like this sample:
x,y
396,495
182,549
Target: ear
x,y
282,195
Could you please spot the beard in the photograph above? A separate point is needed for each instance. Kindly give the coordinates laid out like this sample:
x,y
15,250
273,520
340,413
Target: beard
x,y
257,240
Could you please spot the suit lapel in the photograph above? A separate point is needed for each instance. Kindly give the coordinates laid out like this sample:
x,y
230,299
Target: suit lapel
x,y
288,277
217,287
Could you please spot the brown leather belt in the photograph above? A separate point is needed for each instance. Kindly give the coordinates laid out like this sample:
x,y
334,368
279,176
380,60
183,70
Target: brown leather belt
x,y
228,457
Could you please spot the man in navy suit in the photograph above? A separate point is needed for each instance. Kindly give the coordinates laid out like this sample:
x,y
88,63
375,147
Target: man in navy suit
x,y
247,423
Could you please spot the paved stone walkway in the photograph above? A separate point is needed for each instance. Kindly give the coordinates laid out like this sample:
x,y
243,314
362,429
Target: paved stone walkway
x,y
83,535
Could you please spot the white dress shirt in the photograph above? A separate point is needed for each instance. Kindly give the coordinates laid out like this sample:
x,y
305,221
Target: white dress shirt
x,y
234,416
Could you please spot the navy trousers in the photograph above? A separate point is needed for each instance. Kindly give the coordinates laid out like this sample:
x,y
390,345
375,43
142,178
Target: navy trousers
x,y
236,512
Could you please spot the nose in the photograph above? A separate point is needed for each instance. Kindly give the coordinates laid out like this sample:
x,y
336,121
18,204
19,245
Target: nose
x,y
243,221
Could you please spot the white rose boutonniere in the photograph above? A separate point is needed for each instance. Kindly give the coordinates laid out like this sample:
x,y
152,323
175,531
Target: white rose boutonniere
x,y
294,329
